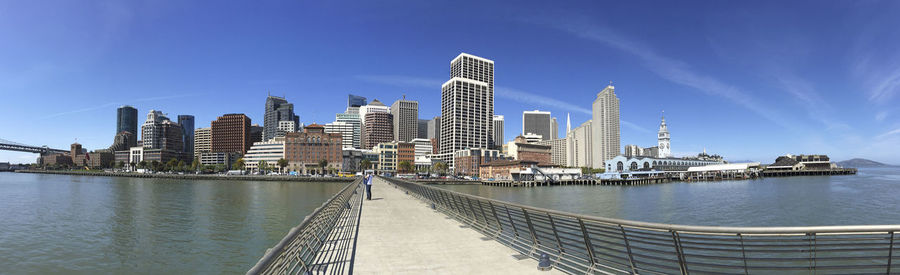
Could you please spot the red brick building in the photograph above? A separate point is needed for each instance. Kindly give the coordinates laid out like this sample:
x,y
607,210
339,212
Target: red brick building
x,y
406,151
304,150
500,169
231,133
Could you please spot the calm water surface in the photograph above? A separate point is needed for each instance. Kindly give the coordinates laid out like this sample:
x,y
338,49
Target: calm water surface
x,y
102,225
870,197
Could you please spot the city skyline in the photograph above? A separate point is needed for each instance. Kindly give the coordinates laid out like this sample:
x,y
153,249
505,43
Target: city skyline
x,y
738,91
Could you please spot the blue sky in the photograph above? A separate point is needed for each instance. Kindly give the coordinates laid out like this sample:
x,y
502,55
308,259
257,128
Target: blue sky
x,y
748,80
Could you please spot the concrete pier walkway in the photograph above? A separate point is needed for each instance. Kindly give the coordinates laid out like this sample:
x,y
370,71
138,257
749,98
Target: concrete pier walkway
x,y
399,234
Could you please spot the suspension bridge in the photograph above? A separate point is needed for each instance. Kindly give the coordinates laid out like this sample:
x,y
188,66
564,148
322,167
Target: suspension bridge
x,y
20,147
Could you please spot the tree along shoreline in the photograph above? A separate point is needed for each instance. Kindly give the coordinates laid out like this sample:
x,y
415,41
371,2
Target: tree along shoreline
x,y
192,176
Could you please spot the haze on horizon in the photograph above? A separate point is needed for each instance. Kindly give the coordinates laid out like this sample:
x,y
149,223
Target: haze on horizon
x,y
745,80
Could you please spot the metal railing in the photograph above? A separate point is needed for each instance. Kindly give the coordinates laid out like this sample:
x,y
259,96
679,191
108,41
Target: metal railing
x,y
586,244
323,243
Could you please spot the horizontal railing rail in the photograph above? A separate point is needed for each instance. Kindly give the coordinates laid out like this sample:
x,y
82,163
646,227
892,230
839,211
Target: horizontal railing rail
x,y
588,244
328,230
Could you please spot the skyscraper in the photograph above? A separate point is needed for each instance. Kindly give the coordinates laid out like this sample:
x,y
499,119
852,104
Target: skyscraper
x,y
467,105
344,129
161,138
664,141
230,133
605,127
187,126
126,120
406,119
538,123
379,128
554,129
497,137
277,109
422,129
373,107
434,128
355,101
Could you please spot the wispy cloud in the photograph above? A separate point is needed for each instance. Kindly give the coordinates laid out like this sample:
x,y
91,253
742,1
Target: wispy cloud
x,y
111,104
880,116
668,68
888,134
402,81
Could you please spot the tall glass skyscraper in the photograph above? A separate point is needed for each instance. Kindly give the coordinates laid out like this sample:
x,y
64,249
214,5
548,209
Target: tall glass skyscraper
x,y
187,125
126,120
277,109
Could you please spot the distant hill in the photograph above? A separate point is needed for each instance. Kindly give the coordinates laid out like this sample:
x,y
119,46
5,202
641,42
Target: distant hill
x,y
858,162
740,161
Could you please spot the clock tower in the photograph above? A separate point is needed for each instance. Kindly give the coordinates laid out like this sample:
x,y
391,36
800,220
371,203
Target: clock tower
x,y
665,147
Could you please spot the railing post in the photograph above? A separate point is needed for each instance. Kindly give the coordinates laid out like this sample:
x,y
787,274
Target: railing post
x,y
682,263
534,241
587,244
496,218
811,237
628,250
511,222
555,234
890,253
743,254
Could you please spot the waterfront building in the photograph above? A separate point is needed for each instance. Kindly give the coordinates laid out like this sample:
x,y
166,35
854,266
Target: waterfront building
x,y
467,105
422,129
387,157
379,128
202,141
344,129
664,140
269,151
100,159
215,158
136,155
406,119
631,164
578,146
230,133
558,150
355,101
352,118
520,149
126,121
277,109
304,150
802,162
503,169
605,127
161,138
538,123
187,127
497,135
469,160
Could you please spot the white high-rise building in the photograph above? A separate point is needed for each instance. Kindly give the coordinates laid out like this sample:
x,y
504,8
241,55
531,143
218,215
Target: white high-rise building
x,y
664,142
467,105
538,123
406,119
352,117
605,127
345,129
579,146
497,137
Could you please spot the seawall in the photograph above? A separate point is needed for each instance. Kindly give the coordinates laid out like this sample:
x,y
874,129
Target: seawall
x,y
191,176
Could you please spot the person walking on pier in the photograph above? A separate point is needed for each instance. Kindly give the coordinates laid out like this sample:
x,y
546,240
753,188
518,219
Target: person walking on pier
x,y
368,181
